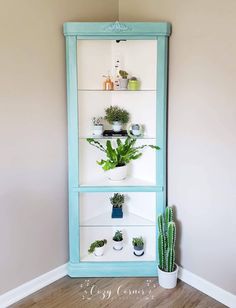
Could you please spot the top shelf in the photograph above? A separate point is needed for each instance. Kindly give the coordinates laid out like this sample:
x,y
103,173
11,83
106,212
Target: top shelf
x,y
112,91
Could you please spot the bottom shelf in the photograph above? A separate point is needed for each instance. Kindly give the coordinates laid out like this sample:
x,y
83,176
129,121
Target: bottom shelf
x,y
90,234
117,255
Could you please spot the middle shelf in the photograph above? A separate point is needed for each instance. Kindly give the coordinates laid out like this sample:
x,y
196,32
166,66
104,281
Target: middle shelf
x,y
105,219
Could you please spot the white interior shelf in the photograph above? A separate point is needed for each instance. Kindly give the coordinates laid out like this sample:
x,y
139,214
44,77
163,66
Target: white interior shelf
x,y
90,234
112,91
116,137
103,181
139,209
126,254
129,219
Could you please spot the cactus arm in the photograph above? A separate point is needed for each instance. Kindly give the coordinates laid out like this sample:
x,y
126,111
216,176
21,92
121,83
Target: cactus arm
x,y
161,251
168,215
170,255
160,223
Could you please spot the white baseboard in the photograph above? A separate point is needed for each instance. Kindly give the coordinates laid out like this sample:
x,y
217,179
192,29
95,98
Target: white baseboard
x,y
208,288
38,283
32,286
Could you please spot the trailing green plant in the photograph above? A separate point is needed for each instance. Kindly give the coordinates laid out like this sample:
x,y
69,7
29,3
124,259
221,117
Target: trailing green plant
x,y
123,74
166,240
138,241
123,154
118,237
115,113
98,243
117,200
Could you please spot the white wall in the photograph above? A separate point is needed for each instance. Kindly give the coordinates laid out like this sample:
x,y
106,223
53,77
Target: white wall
x,y
33,133
202,126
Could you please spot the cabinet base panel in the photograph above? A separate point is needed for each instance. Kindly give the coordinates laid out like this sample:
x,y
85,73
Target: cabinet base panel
x,y
112,269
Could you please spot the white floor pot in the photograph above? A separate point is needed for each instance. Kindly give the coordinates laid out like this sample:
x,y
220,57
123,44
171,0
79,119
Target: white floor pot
x,y
168,280
117,245
117,174
99,251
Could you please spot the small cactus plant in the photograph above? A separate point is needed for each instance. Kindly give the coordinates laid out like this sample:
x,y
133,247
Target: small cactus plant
x,y
123,74
166,240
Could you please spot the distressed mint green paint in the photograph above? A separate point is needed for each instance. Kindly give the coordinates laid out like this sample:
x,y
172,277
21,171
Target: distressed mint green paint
x,y
107,30
72,111
162,61
110,28
113,269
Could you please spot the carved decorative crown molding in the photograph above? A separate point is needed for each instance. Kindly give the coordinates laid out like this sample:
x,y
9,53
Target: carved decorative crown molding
x,y
117,27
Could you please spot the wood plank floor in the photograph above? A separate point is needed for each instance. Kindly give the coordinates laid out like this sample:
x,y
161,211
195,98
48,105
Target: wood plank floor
x,y
116,292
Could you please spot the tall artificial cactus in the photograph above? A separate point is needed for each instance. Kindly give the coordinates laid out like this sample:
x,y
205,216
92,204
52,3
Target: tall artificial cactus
x,y
166,240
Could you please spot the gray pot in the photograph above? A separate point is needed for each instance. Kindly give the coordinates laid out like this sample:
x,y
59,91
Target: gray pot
x,y
123,84
138,250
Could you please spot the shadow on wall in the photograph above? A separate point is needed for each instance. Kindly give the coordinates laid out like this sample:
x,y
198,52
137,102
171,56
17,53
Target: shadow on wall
x,y
178,235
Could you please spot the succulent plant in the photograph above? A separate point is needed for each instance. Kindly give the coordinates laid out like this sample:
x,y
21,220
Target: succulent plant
x,y
118,237
123,74
117,200
138,241
95,244
166,240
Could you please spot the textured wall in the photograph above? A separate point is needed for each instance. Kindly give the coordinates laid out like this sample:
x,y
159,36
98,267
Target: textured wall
x,y
202,126
33,133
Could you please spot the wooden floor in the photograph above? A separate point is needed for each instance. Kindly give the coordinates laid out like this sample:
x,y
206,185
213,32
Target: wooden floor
x,y
116,292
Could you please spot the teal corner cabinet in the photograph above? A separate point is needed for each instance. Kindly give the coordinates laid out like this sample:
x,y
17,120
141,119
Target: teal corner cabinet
x,y
94,50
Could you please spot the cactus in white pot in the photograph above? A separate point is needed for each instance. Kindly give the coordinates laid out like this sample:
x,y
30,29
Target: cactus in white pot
x,y
167,269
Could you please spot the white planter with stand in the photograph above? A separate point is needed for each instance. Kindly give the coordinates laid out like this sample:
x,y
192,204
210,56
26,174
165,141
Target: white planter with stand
x,y
117,245
168,280
99,251
117,174
117,126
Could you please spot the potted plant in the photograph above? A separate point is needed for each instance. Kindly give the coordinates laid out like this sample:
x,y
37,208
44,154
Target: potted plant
x,y
118,240
167,268
97,247
138,244
133,84
116,116
118,158
117,201
123,82
97,126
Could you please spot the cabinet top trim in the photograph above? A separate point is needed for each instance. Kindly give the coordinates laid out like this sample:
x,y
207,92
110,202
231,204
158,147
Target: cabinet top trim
x,y
117,28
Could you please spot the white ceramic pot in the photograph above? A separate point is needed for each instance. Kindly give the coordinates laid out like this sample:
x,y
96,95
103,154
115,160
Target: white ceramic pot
x,y
98,130
99,251
116,126
117,174
168,280
123,84
117,245
138,250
